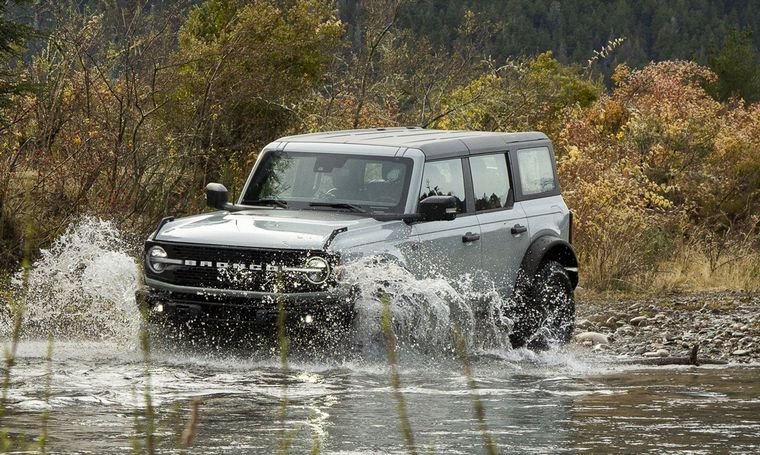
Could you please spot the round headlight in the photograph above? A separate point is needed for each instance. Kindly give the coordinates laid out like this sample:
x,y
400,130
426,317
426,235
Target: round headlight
x,y
319,270
154,253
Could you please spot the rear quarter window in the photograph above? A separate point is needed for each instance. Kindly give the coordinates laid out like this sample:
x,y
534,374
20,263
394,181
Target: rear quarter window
x,y
490,181
536,171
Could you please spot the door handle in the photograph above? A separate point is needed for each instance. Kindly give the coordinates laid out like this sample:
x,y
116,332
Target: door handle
x,y
518,229
470,237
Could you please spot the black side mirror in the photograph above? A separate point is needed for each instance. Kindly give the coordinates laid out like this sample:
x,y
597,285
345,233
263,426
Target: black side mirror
x,y
216,196
437,208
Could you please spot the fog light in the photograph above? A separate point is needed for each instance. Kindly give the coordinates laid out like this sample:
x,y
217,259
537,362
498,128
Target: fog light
x,y
308,319
159,308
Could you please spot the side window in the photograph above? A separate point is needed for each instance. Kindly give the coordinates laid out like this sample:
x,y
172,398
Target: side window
x,y
490,181
536,172
444,178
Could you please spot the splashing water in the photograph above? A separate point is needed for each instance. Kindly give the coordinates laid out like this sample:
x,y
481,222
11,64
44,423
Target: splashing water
x,y
83,286
425,312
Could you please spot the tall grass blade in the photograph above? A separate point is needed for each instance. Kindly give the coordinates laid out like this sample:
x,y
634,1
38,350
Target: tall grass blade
x,y
43,440
477,404
390,343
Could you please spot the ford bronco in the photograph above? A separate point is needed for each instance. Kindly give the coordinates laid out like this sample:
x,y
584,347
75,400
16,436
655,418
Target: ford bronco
x,y
443,203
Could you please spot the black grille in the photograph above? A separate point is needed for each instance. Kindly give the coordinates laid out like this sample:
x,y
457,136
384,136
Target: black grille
x,y
238,273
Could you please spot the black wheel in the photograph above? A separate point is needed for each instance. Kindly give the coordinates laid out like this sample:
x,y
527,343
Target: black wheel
x,y
544,311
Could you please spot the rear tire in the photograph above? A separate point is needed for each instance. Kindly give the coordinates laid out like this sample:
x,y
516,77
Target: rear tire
x,y
544,308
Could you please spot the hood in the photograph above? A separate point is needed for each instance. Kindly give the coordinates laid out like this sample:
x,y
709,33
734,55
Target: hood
x,y
262,228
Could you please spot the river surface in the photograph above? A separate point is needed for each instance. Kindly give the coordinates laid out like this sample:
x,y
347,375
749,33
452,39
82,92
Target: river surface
x,y
339,399
551,402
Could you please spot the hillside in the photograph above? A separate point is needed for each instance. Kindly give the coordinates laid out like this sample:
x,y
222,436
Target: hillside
x,y
653,30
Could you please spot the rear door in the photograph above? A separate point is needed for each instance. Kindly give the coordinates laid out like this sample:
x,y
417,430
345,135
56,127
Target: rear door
x,y
449,249
504,226
538,190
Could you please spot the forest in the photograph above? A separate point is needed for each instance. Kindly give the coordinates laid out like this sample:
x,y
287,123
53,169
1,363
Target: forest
x,y
126,109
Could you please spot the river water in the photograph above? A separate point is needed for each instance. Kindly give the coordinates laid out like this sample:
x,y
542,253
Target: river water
x,y
551,402
338,398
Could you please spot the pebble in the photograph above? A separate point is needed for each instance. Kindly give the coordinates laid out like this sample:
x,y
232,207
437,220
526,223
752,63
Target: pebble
x,y
664,326
657,353
583,324
638,320
593,337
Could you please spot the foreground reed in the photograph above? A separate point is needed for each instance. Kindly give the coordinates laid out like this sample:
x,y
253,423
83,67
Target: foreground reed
x,y
477,404
390,343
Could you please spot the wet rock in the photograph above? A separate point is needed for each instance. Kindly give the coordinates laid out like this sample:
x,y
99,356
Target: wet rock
x,y
593,337
678,323
624,330
583,324
640,321
657,353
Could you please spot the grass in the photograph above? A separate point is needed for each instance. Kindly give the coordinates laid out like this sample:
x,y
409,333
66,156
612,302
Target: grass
x,y
687,269
390,343
477,404
43,439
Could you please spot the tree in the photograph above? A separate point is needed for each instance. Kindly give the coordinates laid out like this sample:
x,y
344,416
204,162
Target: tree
x,y
738,69
524,94
244,70
13,35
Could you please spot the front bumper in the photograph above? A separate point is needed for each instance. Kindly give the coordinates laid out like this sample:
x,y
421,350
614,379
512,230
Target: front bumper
x,y
228,305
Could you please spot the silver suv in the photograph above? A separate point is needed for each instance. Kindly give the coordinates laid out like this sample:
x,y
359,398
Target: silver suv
x,y
443,203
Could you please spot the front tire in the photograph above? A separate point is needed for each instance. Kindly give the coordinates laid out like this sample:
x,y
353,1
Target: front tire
x,y
545,308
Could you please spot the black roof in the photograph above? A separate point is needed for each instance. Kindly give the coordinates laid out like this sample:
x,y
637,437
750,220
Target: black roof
x,y
433,143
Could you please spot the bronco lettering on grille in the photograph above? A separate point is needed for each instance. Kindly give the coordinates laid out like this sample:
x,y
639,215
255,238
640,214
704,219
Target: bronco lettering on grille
x,y
244,266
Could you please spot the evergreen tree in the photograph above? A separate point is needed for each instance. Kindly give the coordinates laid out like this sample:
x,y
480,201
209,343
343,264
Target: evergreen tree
x,y
12,37
737,67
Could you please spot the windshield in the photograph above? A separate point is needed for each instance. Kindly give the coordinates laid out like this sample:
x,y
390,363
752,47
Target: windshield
x,y
331,181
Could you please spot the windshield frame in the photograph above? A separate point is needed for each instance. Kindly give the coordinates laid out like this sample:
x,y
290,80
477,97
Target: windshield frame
x,y
355,152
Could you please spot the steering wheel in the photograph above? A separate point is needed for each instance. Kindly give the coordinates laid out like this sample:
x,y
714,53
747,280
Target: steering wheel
x,y
329,194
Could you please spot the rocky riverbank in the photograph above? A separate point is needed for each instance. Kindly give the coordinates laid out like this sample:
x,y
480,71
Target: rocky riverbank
x,y
725,325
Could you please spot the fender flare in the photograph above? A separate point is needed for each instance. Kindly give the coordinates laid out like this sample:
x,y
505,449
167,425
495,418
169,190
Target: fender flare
x,y
550,247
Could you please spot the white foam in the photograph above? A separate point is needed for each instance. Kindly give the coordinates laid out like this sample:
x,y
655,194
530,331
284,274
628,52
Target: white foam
x,y
82,286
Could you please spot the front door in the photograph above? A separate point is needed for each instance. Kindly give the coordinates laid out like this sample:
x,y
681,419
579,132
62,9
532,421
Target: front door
x,y
448,249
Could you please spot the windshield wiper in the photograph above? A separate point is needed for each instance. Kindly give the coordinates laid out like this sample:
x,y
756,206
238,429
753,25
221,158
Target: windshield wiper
x,y
339,205
270,201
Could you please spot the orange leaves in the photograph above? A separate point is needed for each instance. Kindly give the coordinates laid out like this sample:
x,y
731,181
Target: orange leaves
x,y
656,158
